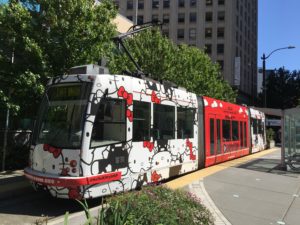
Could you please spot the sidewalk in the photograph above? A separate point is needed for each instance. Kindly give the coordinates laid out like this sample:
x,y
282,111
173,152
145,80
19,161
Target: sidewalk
x,y
252,193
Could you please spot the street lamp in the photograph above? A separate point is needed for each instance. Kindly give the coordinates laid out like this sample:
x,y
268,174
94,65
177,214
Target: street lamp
x,y
264,57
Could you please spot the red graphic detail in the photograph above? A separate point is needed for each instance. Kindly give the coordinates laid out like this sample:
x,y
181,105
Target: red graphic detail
x,y
155,177
190,146
55,151
125,95
74,181
74,193
65,171
129,115
154,98
149,145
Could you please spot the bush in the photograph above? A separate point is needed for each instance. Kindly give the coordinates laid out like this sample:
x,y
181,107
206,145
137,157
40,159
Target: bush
x,y
270,135
155,205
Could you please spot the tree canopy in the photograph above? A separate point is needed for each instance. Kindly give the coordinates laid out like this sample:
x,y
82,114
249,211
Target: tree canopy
x,y
186,66
283,89
41,38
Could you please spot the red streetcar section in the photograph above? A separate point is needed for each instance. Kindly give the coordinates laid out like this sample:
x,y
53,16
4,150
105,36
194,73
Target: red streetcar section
x,y
226,131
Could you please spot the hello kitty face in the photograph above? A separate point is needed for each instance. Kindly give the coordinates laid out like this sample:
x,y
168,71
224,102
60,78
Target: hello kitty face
x,y
139,158
161,159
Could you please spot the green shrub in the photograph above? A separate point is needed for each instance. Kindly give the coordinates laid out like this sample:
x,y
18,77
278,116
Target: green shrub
x,y
154,205
270,135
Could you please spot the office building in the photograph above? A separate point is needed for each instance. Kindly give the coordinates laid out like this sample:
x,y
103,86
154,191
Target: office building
x,y
225,29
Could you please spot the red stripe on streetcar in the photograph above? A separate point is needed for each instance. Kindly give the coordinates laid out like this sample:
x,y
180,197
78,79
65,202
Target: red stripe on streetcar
x,y
69,182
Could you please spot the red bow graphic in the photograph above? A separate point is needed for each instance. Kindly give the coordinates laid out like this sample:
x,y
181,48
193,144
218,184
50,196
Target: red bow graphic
x,y
155,176
74,194
149,145
55,151
154,98
129,115
190,146
125,95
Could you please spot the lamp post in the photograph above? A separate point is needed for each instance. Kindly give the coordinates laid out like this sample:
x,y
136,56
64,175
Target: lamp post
x,y
264,57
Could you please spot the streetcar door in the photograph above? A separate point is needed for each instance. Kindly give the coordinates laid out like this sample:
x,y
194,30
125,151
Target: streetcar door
x,y
214,138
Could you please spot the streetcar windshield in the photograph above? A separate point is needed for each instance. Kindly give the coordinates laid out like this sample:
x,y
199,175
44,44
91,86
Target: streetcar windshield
x,y
60,121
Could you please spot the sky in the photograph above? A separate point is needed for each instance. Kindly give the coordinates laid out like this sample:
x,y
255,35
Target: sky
x,y
279,26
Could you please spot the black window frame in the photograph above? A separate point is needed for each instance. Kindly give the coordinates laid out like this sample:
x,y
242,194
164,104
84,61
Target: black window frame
x,y
137,126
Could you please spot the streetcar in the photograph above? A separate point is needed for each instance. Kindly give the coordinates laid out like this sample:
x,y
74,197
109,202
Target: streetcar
x,y
98,134
258,130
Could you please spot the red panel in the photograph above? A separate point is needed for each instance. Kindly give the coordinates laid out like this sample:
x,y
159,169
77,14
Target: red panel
x,y
218,109
73,181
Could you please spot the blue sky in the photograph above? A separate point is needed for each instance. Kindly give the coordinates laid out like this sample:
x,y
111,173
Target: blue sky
x,y
279,26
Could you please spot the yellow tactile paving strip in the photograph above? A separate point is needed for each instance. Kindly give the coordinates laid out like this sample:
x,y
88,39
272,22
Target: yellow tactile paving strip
x,y
187,179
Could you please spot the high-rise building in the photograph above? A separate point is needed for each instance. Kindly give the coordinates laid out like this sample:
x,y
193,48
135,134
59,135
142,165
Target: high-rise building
x,y
225,29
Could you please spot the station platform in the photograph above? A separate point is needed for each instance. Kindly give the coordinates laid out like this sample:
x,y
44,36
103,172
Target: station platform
x,y
252,190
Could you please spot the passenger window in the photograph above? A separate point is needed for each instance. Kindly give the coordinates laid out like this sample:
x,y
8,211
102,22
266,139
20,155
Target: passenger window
x,y
212,136
185,122
141,121
218,136
235,130
164,122
110,123
245,135
242,134
226,130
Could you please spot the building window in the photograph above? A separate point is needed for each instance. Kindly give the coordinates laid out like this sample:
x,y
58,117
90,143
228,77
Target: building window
x,y
221,2
140,20
221,63
208,2
181,17
220,48
193,3
165,33
207,48
130,18
192,33
166,18
220,32
155,4
181,3
221,16
208,32
129,4
154,17
141,121
193,17
141,4
208,16
180,33
117,4
166,4
164,122
185,123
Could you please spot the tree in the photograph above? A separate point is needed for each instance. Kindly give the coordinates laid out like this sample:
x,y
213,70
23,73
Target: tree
x,y
283,89
186,66
46,38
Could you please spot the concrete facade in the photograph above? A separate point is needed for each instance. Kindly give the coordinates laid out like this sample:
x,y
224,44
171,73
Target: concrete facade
x,y
225,29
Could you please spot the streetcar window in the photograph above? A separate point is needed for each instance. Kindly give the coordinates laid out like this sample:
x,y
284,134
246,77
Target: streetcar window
x,y
164,122
254,125
185,122
141,121
218,136
260,127
212,136
109,126
235,130
242,134
226,130
245,135
60,121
